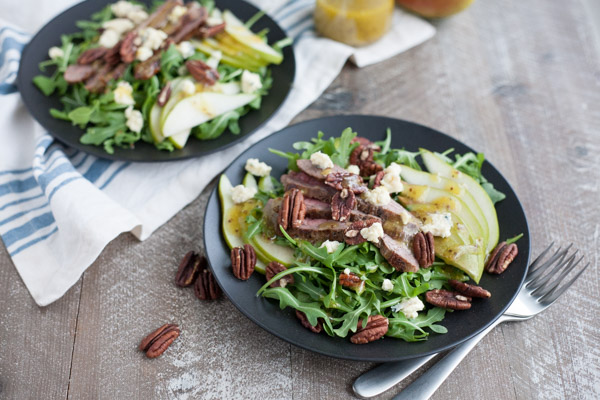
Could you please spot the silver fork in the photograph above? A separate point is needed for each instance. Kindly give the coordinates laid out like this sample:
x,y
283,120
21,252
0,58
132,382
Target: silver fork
x,y
541,288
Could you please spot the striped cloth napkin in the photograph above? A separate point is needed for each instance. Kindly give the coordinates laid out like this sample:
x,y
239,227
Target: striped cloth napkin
x,y
60,207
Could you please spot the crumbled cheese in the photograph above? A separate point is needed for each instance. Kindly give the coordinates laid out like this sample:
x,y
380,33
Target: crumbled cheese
x,y
439,224
321,160
250,82
143,53
214,59
135,120
188,87
331,246
109,38
176,13
387,285
215,18
346,270
257,168
378,196
122,8
391,178
241,193
152,38
55,52
123,93
406,217
373,233
138,16
409,307
119,25
186,49
353,169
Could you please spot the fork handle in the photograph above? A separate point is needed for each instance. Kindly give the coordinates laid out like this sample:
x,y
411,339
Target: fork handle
x,y
426,385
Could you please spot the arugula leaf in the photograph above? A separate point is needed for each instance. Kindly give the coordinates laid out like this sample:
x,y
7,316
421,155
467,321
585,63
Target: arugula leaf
x,y
350,319
45,84
514,239
414,329
312,311
81,115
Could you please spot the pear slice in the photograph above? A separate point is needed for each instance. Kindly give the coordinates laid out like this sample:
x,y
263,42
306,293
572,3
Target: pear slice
x,y
180,139
233,223
154,123
239,32
199,108
413,176
436,165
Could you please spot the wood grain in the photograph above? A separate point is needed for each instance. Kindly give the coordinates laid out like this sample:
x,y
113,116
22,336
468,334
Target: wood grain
x,y
518,81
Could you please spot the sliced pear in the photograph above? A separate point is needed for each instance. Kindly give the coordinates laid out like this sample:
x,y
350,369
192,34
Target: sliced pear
x,y
225,58
273,251
265,184
438,166
176,95
413,176
154,123
199,108
180,139
234,220
239,32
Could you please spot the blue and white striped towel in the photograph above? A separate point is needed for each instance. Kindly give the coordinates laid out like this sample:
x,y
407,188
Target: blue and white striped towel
x,y
60,207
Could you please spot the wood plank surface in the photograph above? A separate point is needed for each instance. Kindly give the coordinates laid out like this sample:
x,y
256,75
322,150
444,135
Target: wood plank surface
x,y
519,81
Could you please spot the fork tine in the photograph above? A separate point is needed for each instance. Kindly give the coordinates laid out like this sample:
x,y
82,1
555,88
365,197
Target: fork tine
x,y
534,265
554,294
553,279
557,258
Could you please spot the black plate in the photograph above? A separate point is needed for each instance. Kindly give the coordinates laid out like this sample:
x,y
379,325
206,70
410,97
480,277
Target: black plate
x,y
283,323
39,105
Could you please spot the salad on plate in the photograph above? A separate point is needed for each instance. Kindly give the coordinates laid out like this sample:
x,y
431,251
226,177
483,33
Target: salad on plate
x,y
160,75
366,241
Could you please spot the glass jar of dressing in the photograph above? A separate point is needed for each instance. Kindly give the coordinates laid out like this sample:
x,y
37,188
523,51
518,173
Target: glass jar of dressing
x,y
354,22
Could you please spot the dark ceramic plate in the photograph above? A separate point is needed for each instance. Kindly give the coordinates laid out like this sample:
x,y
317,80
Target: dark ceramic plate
x,y
266,313
39,105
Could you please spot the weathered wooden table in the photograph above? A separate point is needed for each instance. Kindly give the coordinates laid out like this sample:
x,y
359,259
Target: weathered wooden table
x,y
518,80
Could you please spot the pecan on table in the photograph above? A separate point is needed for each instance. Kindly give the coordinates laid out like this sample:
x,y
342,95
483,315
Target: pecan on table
x,y
447,299
293,209
363,157
377,326
189,268
378,178
424,249
206,287
158,341
346,180
352,235
128,48
243,261
273,268
469,290
352,281
164,95
501,258
202,72
91,55
342,204
304,321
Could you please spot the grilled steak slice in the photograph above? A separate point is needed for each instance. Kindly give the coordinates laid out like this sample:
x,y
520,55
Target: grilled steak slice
x,y
190,22
308,168
398,254
321,210
309,186
398,221
78,73
336,177
160,17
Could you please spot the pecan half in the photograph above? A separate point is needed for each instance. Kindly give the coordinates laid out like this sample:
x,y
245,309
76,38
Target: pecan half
x,y
424,249
346,180
273,268
447,299
501,258
189,268
377,326
158,341
113,56
202,72
128,47
210,31
363,157
469,290
293,209
352,281
352,235
243,261
91,55
206,287
378,178
164,95
342,204
304,321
